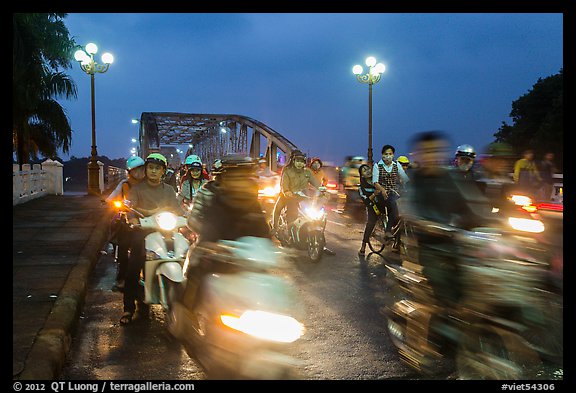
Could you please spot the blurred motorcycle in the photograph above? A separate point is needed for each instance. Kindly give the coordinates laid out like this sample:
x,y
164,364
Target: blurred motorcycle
x,y
268,190
307,231
233,314
505,322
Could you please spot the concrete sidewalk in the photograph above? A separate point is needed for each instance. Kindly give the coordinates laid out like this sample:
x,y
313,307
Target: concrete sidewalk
x,y
57,240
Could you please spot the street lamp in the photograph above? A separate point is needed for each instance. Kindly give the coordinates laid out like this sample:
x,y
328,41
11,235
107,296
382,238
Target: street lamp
x,y
86,59
373,76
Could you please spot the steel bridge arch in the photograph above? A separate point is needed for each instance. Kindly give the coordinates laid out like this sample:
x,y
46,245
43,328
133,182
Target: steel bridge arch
x,y
211,135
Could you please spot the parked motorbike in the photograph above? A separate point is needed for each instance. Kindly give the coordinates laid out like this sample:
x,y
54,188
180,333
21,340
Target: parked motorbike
x,y
495,329
233,314
307,231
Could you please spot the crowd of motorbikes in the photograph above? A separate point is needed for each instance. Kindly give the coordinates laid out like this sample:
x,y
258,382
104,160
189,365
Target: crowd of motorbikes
x,y
237,318
225,302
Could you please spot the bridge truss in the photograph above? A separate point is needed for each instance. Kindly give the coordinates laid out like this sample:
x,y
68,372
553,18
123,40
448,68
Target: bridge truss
x,y
211,136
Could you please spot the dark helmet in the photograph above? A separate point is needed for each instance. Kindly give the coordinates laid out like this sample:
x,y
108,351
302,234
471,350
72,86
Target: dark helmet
x,y
465,151
238,176
297,154
237,162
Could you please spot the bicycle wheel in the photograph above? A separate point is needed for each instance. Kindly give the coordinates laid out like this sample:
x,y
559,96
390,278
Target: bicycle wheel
x,y
377,239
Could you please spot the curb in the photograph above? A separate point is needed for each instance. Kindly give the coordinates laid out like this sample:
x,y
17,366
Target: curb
x,y
50,349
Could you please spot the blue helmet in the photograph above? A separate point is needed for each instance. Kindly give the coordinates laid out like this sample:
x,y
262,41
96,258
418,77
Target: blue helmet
x,y
134,162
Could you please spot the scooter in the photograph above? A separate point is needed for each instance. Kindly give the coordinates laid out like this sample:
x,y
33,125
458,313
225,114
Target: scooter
x,y
490,330
166,247
307,231
233,314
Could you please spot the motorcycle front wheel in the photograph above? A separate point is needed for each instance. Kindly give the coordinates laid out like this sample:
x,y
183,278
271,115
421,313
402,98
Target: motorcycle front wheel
x,y
316,244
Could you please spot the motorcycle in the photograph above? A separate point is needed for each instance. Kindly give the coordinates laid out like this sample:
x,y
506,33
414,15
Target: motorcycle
x,y
268,190
166,247
307,231
495,329
233,315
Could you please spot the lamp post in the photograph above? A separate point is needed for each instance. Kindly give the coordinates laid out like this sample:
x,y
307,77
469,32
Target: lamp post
x,y
86,59
373,76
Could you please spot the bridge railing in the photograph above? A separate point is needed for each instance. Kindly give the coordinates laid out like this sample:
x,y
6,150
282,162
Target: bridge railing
x,y
31,182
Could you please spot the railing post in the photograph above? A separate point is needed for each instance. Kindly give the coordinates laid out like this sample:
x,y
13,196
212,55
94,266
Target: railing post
x,y
101,184
16,184
55,177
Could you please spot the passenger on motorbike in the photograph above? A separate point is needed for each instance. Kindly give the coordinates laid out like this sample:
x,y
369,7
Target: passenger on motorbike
x,y
317,171
135,174
373,205
148,197
192,181
295,178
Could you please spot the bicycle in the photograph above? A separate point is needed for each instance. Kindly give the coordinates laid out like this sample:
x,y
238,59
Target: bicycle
x,y
378,240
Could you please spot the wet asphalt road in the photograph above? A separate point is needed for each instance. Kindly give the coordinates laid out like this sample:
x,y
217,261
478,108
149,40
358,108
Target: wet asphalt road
x,y
341,296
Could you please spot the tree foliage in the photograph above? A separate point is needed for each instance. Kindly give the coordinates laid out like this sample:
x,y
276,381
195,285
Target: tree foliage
x,y
41,47
537,119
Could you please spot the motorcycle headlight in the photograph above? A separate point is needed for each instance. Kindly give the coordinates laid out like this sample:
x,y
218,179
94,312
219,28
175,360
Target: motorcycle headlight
x,y
526,224
265,325
313,213
520,200
268,191
166,221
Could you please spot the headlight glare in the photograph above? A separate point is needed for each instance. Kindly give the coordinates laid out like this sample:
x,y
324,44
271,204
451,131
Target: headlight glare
x,y
265,325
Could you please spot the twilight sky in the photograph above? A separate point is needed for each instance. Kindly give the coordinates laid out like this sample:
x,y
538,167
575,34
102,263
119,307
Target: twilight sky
x,y
293,71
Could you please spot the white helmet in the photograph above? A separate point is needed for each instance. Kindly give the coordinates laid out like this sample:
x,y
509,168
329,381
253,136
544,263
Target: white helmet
x,y
134,162
465,151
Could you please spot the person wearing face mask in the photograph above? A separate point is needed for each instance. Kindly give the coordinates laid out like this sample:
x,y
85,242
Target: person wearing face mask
x,y
295,178
387,176
148,197
192,180
464,158
317,171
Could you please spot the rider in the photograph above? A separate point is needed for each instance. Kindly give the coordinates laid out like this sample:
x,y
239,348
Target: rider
x,y
387,177
464,158
135,174
440,201
228,207
225,208
295,178
192,180
148,197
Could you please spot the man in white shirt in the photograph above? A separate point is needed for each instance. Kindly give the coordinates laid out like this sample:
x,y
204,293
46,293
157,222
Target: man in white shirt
x,y
387,176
